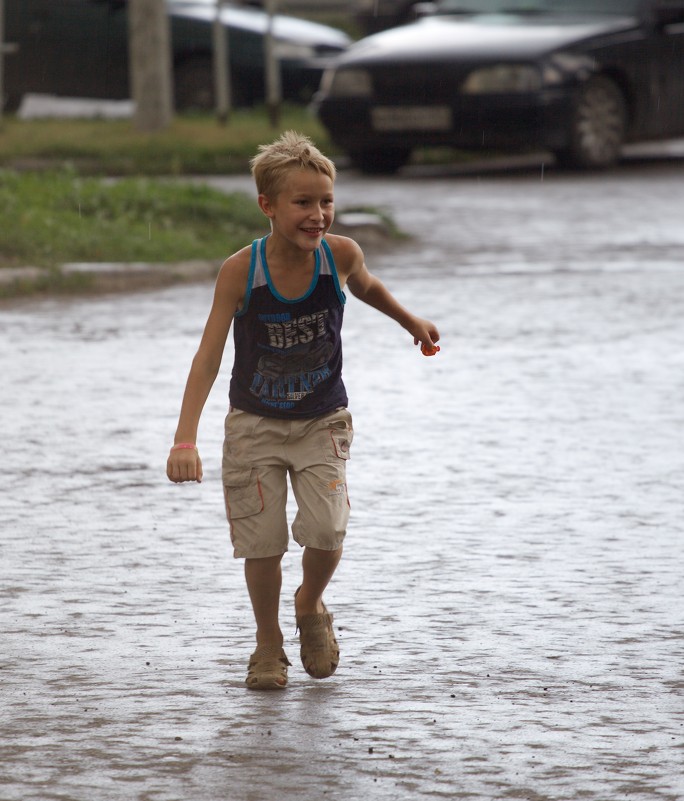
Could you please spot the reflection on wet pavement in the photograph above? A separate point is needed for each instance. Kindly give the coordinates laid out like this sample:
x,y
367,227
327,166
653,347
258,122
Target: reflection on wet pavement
x,y
509,604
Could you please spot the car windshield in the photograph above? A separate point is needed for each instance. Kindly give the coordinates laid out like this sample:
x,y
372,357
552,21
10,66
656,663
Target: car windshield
x,y
620,7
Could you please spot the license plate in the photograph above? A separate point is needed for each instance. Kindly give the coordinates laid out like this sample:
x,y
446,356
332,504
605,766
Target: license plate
x,y
411,118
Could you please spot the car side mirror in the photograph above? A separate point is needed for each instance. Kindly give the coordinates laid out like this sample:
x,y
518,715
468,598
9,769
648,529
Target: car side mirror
x,y
668,12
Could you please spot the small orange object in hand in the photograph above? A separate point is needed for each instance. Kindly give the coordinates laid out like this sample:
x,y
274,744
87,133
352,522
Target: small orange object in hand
x,y
428,350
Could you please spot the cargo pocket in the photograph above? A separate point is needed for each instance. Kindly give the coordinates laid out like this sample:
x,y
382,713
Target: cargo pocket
x,y
242,491
341,435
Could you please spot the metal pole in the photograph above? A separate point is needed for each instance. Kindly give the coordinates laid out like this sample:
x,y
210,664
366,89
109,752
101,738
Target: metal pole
x,y
5,50
272,68
2,56
221,64
151,65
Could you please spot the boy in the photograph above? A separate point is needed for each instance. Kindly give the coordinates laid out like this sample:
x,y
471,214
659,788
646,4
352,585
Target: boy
x,y
288,406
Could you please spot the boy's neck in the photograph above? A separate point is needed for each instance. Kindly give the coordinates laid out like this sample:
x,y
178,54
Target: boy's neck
x,y
291,270
283,255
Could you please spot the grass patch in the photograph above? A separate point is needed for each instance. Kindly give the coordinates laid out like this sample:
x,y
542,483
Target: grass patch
x,y
56,217
192,145
57,204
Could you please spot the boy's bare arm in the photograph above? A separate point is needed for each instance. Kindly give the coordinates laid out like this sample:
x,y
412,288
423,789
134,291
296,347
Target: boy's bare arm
x,y
185,464
370,289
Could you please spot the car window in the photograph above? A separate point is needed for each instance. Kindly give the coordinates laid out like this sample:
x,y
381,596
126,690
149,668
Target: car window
x,y
620,7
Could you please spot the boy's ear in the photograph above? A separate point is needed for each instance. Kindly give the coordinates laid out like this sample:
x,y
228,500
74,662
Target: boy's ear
x,y
265,205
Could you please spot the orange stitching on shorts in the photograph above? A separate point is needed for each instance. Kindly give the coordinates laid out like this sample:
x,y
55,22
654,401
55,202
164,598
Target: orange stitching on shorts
x,y
336,486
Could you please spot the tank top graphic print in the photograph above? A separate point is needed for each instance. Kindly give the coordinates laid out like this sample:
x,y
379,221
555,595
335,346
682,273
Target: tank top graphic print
x,y
288,352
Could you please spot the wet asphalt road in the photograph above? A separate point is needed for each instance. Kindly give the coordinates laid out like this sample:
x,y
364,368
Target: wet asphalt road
x,y
510,602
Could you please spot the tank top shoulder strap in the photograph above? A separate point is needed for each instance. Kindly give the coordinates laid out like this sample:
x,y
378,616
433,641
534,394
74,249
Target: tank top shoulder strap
x,y
257,273
328,268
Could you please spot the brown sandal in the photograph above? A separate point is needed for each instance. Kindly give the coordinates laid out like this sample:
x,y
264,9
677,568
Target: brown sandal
x,y
319,650
267,669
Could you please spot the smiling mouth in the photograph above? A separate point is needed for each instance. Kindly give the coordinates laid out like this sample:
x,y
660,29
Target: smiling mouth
x,y
313,230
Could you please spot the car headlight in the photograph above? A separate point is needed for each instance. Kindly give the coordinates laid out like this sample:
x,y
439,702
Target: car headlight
x,y
503,78
346,83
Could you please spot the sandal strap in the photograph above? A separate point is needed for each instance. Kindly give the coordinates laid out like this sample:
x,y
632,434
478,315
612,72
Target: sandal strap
x,y
319,650
266,665
268,653
316,629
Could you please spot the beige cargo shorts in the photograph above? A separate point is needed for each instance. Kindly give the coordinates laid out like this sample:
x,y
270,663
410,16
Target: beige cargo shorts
x,y
258,455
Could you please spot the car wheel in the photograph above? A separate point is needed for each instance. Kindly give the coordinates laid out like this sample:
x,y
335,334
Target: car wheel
x,y
381,160
598,126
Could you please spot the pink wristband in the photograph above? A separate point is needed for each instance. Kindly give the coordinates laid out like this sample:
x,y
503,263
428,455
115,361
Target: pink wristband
x,y
184,445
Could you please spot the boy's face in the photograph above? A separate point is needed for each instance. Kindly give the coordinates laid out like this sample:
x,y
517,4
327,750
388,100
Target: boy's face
x,y
304,209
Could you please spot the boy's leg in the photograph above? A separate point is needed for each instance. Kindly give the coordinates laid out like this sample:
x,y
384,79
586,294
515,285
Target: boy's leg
x,y
318,457
268,664
318,568
319,650
264,581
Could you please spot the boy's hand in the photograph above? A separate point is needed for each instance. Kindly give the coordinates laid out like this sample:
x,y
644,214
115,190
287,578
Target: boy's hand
x,y
426,350
426,334
184,464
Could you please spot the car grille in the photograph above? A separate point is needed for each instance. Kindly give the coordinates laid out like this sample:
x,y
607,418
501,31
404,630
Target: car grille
x,y
417,82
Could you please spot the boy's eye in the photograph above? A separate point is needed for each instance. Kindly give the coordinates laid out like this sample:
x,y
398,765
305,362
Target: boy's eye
x,y
306,202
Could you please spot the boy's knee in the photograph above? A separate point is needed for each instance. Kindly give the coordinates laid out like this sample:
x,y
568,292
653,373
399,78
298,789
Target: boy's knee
x,y
325,533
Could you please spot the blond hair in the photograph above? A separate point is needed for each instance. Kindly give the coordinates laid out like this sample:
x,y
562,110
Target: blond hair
x,y
291,150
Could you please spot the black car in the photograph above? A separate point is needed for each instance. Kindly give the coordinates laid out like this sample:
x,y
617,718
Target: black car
x,y
576,77
79,48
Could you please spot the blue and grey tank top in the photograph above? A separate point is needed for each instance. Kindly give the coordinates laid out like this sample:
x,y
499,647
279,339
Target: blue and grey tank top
x,y
288,352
